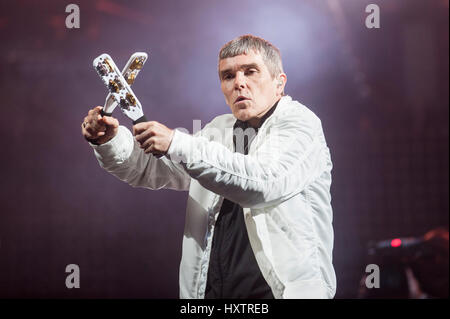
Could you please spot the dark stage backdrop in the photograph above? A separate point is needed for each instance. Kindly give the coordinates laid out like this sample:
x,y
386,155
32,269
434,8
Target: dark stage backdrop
x,y
382,96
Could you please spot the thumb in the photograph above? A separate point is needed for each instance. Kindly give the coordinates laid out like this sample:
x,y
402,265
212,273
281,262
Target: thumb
x,y
109,120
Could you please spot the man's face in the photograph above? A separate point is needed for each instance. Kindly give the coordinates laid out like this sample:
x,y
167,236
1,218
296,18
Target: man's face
x,y
248,87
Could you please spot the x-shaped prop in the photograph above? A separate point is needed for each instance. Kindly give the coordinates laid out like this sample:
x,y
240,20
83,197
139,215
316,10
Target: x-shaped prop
x,y
118,84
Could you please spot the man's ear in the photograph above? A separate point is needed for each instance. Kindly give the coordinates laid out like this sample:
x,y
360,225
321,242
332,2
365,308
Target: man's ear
x,y
281,83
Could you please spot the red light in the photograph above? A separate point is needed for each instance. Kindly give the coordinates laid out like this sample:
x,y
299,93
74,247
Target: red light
x,y
396,242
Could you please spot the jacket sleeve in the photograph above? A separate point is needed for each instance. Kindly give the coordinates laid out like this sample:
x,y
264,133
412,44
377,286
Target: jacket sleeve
x,y
287,159
123,158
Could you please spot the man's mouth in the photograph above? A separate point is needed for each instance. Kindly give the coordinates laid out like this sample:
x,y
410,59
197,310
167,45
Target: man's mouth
x,y
241,98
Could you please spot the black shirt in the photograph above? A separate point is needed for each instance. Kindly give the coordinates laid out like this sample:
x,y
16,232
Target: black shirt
x,y
233,271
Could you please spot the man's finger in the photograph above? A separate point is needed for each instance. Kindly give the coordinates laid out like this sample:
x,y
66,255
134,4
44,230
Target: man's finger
x,y
108,120
96,125
148,142
140,127
95,110
90,129
88,135
150,149
141,138
98,109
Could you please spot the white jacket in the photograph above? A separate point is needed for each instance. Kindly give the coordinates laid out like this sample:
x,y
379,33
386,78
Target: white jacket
x,y
283,185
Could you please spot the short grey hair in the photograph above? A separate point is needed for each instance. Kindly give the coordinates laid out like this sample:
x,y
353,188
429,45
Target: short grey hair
x,y
243,44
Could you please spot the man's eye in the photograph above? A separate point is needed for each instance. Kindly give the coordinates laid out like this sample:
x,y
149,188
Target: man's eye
x,y
227,76
250,71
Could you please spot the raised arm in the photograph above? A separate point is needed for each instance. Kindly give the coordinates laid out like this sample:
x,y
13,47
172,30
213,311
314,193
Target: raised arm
x,y
118,153
123,158
286,160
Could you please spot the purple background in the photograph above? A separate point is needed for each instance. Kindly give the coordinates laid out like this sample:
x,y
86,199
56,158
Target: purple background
x,y
382,96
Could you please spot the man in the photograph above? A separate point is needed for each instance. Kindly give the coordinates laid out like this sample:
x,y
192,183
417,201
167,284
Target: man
x,y
259,218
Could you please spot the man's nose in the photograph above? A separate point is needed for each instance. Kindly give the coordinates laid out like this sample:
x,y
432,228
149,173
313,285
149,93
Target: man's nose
x,y
239,81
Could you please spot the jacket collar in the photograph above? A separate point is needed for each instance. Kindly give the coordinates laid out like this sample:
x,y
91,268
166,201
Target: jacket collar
x,y
244,124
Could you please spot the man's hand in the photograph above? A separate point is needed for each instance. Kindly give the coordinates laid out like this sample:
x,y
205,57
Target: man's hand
x,y
153,137
98,129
